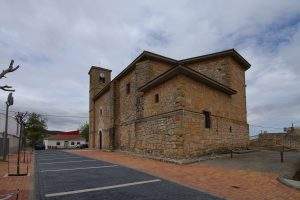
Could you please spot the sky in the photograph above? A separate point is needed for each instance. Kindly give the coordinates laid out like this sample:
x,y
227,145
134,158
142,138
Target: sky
x,y
56,42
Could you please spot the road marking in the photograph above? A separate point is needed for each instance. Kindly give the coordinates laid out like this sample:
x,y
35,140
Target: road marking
x,y
60,158
49,163
52,154
79,168
7,196
47,156
100,188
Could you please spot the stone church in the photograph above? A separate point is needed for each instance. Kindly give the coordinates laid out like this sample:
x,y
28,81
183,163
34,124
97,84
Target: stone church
x,y
173,109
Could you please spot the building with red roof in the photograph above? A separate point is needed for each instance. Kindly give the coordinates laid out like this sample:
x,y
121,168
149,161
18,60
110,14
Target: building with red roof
x,y
64,140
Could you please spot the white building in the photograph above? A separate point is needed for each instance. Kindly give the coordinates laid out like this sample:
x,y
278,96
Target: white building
x,y
13,132
64,140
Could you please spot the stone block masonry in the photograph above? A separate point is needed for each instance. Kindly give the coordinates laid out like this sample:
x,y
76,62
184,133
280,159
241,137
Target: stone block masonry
x,y
167,108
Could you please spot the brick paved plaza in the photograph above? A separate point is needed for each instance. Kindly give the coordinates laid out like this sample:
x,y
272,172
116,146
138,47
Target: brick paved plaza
x,y
10,184
216,177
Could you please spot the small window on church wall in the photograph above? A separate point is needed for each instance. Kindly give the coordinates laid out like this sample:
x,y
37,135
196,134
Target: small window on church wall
x,y
101,111
156,98
230,129
207,119
127,88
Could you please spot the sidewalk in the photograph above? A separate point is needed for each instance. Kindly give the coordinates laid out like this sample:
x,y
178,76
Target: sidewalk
x,y
224,182
10,184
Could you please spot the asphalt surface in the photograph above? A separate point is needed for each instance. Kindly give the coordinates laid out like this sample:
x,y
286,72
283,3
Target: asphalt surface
x,y
61,175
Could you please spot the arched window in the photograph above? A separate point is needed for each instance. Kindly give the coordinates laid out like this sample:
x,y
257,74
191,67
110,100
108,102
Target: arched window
x,y
102,77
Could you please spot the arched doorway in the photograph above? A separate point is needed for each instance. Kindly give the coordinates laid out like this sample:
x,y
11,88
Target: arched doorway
x,y
100,139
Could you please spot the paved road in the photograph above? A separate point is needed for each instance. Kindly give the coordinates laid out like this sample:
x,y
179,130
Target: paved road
x,y
61,175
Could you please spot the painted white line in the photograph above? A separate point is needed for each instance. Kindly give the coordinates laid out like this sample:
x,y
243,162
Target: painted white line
x,y
79,168
60,158
50,156
50,163
6,196
100,188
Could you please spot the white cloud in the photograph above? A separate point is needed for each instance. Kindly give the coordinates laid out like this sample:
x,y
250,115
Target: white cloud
x,y
57,41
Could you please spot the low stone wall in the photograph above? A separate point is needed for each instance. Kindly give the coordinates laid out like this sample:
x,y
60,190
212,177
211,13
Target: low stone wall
x,y
276,140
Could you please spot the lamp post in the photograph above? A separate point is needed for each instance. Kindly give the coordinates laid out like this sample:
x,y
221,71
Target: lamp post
x,y
9,102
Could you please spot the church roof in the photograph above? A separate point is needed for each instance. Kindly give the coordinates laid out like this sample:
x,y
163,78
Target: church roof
x,y
181,70
147,55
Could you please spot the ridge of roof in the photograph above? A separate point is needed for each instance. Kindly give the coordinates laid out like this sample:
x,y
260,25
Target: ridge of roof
x,y
227,52
103,90
189,73
149,55
64,137
231,52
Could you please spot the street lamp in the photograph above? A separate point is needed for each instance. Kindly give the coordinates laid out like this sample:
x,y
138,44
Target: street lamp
x,y
9,102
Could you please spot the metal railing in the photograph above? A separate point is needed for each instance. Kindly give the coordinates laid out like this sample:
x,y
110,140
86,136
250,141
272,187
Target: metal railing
x,y
18,164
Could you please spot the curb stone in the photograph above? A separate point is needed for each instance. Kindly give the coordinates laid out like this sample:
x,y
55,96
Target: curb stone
x,y
289,182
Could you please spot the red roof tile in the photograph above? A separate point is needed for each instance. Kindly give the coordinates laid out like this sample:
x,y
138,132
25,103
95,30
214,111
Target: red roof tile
x,y
69,135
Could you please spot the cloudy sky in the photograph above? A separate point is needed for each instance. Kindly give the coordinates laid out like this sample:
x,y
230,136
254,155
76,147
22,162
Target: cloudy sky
x,y
56,42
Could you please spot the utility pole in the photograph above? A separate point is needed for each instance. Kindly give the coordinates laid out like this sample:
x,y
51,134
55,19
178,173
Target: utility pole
x,y
9,102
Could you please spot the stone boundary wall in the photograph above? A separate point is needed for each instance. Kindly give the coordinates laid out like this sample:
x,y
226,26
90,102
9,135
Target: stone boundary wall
x,y
276,140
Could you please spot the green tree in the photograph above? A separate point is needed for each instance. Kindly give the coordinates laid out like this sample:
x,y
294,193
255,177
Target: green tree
x,y
35,128
84,131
